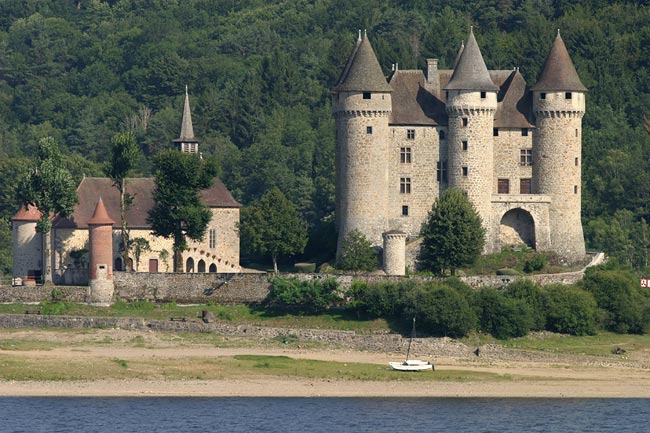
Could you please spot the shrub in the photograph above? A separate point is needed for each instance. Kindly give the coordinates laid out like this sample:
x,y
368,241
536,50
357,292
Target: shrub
x,y
531,294
618,294
310,296
357,254
535,263
53,308
569,310
440,310
501,316
378,300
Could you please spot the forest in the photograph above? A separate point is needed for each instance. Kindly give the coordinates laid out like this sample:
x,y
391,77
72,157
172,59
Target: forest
x,y
260,72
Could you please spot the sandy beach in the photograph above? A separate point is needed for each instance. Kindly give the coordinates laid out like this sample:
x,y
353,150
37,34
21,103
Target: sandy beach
x,y
523,376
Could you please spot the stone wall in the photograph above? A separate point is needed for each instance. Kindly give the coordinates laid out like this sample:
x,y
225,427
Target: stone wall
x,y
36,294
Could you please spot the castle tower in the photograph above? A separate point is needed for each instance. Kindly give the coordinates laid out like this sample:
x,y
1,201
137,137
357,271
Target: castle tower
x,y
361,103
394,252
186,142
27,264
471,104
559,105
100,228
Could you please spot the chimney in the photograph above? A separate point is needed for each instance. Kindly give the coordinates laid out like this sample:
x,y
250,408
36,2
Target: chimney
x,y
433,80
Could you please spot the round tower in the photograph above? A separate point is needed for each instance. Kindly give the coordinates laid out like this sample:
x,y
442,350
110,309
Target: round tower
x,y
100,230
395,252
559,105
361,104
471,105
28,244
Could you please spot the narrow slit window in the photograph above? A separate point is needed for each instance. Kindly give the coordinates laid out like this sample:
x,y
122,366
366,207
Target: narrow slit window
x,y
405,210
575,189
464,121
465,171
368,130
495,132
483,95
576,162
464,144
441,135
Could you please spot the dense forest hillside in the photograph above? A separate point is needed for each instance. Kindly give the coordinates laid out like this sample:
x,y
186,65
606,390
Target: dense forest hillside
x,y
260,72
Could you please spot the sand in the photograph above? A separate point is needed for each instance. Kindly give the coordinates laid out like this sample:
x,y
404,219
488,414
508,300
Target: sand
x,y
532,377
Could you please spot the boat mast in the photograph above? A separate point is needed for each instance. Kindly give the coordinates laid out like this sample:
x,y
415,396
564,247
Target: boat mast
x,y
408,351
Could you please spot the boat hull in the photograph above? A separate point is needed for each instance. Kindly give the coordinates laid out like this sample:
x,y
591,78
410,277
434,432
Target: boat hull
x,y
411,365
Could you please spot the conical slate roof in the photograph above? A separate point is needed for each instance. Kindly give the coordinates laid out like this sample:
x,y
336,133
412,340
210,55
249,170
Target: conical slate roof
x,y
100,216
559,72
362,72
187,130
458,54
470,72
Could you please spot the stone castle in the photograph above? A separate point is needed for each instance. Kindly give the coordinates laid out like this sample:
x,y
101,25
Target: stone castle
x,y
515,151
92,231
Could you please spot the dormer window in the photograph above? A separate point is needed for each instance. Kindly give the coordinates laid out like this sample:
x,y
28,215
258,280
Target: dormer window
x,y
366,95
483,95
568,95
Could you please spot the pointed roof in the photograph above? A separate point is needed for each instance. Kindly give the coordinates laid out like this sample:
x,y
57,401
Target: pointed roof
x,y
559,72
27,213
187,130
100,216
362,72
471,72
458,54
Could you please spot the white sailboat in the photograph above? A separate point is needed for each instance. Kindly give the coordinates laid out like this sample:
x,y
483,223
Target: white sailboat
x,y
411,364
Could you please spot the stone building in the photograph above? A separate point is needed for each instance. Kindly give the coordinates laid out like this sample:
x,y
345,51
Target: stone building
x,y
70,236
515,151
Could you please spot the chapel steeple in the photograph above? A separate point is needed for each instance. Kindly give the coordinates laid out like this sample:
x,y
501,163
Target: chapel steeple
x,y
186,142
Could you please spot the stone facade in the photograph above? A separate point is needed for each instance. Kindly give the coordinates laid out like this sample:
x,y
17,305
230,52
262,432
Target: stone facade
x,y
515,151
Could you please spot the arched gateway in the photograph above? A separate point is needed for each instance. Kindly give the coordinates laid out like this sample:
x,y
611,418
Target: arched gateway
x,y
517,228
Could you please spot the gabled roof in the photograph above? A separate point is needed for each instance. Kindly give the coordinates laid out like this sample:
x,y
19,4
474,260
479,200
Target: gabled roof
x,y
141,189
559,72
514,103
412,103
362,72
470,72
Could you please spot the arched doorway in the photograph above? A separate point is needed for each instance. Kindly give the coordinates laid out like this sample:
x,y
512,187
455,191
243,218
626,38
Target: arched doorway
x,y
201,266
189,265
117,266
213,268
517,228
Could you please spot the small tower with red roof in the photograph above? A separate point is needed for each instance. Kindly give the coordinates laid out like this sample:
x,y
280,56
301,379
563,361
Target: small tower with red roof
x,y
100,228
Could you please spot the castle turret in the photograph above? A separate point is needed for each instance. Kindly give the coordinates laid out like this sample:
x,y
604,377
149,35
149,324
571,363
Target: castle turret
x,y
100,228
361,103
471,104
186,142
27,264
559,105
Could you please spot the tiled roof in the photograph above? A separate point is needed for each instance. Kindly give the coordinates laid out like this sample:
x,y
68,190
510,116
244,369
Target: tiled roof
x,y
471,72
100,216
514,103
92,188
412,103
362,72
27,213
559,72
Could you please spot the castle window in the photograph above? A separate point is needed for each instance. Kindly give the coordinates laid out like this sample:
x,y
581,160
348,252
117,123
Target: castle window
x,y
465,171
568,95
213,238
405,185
575,189
366,95
464,121
525,186
526,157
441,171
576,162
542,95
405,155
410,134
405,210
503,186
368,129
483,95
524,132
464,144
576,132
441,135
495,132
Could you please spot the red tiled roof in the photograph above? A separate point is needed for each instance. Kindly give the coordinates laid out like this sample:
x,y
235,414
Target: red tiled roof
x,y
100,216
27,213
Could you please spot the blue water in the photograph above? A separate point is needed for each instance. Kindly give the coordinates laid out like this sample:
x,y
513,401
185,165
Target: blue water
x,y
328,415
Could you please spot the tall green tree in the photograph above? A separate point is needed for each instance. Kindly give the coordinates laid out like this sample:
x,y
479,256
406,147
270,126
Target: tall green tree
x,y
49,187
357,253
179,213
125,154
453,235
273,227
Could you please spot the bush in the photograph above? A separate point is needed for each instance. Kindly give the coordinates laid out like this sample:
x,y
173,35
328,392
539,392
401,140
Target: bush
x,y
618,294
380,299
501,316
535,263
531,294
440,310
569,310
56,308
309,296
357,254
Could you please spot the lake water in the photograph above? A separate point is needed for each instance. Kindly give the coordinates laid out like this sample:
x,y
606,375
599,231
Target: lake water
x,y
330,415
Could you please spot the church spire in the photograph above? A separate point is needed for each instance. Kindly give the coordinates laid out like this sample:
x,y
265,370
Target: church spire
x,y
186,142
